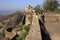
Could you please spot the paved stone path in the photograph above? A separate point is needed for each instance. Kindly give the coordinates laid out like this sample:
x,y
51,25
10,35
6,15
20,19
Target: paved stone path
x,y
54,30
34,33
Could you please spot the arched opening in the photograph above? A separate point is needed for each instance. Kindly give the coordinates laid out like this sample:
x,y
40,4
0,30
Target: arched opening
x,y
9,29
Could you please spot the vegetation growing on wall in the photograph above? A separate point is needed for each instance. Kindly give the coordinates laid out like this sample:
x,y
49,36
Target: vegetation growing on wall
x,y
24,31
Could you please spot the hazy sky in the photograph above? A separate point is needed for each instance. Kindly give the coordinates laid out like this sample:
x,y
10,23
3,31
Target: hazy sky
x,y
18,4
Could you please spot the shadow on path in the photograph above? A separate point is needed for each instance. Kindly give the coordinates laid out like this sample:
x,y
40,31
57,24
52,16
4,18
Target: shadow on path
x,y
44,33
14,38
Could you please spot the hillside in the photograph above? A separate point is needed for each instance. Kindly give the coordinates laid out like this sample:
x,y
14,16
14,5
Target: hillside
x,y
10,20
5,12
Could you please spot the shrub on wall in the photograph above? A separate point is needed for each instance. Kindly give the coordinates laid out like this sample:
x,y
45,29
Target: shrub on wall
x,y
22,36
26,27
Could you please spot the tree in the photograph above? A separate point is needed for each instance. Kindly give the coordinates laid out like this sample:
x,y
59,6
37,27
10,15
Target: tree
x,y
38,9
50,5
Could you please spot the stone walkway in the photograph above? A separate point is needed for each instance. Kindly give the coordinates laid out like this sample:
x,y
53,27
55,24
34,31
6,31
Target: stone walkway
x,y
34,33
54,30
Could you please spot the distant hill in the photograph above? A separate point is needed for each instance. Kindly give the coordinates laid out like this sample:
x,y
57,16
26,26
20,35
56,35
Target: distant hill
x,y
11,20
5,12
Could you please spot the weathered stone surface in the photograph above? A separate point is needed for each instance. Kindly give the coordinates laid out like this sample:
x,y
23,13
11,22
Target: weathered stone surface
x,y
54,30
34,33
10,35
51,18
59,18
27,19
2,38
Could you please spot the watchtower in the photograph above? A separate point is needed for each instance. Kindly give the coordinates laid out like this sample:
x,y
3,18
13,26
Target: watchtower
x,y
29,11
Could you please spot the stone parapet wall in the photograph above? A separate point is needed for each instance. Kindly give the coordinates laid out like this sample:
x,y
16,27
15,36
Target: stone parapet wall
x,y
59,18
51,18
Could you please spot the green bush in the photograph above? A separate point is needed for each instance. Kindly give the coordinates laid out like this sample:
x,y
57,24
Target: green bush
x,y
3,34
26,27
22,36
19,27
